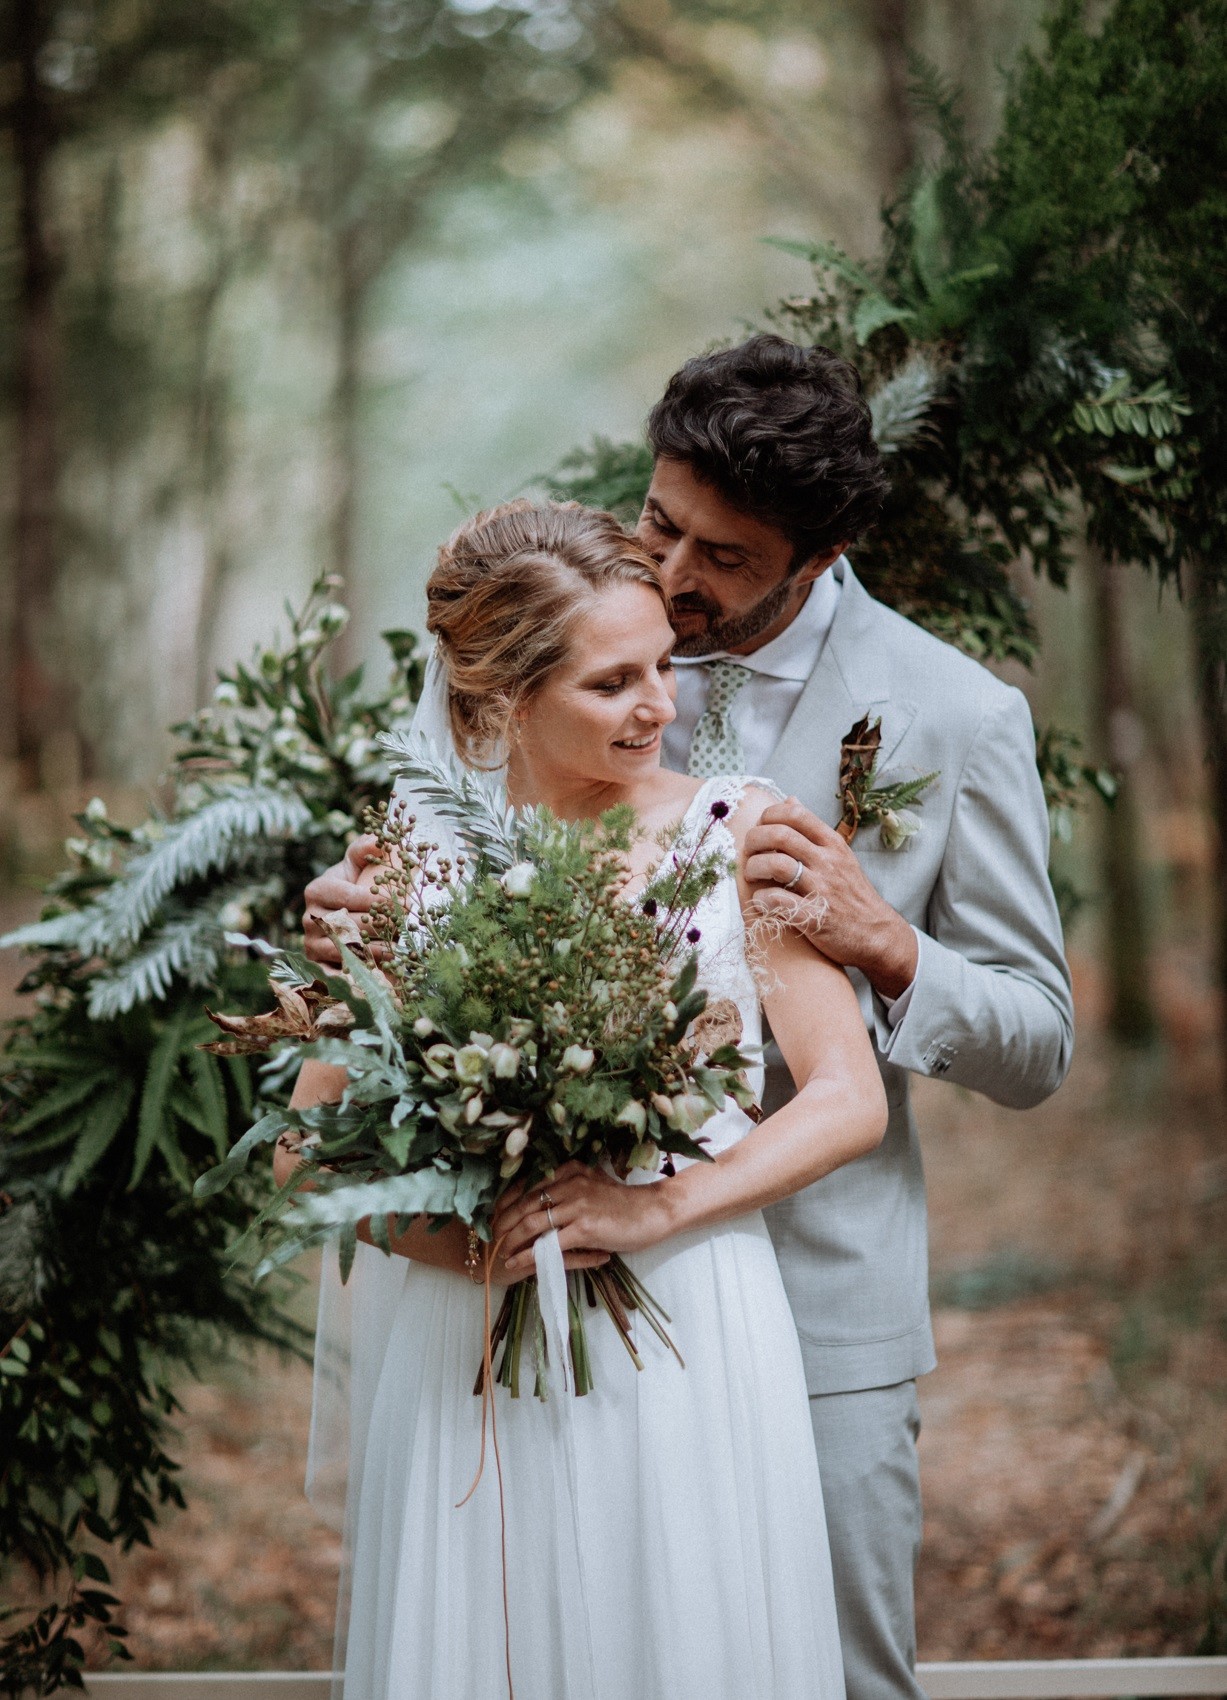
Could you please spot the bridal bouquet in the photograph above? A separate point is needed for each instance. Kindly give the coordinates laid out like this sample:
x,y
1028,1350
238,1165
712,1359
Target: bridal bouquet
x,y
525,1012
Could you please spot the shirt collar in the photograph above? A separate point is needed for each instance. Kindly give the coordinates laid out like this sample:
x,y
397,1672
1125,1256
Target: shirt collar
x,y
794,653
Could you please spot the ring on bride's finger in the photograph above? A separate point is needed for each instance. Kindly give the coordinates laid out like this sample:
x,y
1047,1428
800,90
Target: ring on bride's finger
x,y
800,870
546,1200
550,1218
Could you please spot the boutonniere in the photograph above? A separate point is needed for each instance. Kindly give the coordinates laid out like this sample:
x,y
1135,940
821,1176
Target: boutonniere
x,y
865,803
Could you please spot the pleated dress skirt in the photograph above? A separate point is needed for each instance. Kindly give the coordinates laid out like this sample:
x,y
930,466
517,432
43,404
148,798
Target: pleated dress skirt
x,y
660,1538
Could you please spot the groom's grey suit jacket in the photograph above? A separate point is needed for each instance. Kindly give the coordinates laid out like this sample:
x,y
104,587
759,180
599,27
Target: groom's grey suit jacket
x,y
990,1006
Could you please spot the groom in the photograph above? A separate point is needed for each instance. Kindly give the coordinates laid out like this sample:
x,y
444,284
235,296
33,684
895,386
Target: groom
x,y
765,473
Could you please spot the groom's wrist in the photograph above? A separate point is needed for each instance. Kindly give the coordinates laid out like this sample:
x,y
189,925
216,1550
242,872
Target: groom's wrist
x,y
891,967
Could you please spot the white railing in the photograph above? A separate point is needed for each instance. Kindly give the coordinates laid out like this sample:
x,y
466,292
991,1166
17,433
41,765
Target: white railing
x,y
1023,1679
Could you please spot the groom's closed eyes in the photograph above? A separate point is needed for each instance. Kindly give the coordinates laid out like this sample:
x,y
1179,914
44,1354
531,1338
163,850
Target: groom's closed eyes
x,y
730,556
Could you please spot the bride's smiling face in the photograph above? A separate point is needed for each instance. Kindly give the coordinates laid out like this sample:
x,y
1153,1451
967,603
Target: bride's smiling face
x,y
599,716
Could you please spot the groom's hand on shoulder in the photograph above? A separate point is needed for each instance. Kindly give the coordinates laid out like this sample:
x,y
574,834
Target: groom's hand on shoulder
x,y
337,901
828,898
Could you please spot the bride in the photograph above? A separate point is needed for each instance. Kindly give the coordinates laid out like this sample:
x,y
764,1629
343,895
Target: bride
x,y
662,1537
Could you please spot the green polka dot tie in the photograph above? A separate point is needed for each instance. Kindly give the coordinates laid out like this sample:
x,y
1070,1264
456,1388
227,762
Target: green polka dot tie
x,y
715,747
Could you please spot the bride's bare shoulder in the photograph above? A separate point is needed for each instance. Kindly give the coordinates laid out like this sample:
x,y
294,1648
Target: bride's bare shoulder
x,y
753,803
675,792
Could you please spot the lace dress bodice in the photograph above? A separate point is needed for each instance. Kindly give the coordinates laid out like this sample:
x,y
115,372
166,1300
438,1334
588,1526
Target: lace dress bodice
x,y
724,971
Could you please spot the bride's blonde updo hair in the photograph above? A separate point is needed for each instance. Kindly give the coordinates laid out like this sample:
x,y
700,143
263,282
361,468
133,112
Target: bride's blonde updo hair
x,y
509,587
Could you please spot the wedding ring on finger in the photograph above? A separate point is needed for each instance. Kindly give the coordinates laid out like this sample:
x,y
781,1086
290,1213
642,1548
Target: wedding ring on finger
x,y
549,1216
800,869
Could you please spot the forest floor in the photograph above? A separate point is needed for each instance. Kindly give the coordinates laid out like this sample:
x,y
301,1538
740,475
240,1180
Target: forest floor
x,y
1073,1458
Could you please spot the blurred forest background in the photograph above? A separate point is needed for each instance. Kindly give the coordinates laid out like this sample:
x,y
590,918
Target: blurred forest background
x,y
291,284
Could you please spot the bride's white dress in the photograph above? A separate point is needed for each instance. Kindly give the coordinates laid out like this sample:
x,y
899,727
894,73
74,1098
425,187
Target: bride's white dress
x,y
665,1537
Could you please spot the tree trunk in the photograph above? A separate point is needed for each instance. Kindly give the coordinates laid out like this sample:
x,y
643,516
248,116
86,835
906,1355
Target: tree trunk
x,y
889,22
210,403
39,714
346,401
1209,610
1131,1017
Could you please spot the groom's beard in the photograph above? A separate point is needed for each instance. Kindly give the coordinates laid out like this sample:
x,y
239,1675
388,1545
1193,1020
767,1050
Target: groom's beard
x,y
729,632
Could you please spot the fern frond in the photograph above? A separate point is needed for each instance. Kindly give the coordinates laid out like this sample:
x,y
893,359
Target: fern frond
x,y
900,408
475,802
70,931
221,834
223,831
607,475
190,946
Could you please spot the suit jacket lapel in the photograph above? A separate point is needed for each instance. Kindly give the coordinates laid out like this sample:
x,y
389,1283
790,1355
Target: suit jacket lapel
x,y
851,678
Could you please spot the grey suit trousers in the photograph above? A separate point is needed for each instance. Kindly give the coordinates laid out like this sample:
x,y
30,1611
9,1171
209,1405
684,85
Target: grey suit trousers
x,y
871,1488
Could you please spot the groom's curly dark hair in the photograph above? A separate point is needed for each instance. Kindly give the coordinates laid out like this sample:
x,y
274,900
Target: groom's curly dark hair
x,y
783,433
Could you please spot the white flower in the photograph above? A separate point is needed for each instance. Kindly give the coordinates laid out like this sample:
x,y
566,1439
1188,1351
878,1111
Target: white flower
x,y
333,618
225,692
516,1141
234,917
896,827
519,879
632,1115
505,1060
470,1064
738,1089
423,1027
645,1155
690,1111
577,1058
662,1105
95,809
439,1060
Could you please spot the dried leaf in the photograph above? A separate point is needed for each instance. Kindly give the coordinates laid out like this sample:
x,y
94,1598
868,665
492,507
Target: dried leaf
x,y
718,1024
857,754
303,1012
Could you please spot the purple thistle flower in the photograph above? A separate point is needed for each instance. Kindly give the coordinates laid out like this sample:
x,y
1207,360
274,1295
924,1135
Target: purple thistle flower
x,y
649,906
719,809
694,935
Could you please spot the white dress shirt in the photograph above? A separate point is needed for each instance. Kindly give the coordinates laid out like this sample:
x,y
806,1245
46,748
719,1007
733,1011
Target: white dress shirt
x,y
764,704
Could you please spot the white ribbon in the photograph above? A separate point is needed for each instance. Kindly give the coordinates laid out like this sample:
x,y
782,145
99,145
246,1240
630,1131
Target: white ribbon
x,y
552,1294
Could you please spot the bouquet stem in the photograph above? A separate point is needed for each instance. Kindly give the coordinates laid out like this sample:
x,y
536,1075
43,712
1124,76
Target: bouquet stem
x,y
613,1288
